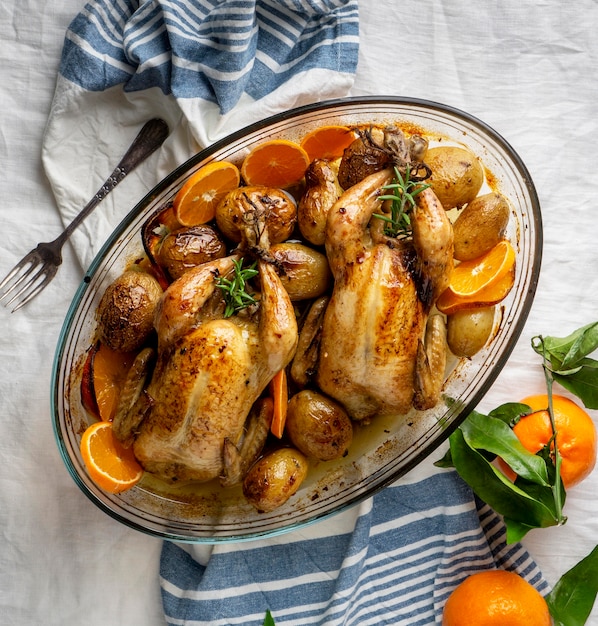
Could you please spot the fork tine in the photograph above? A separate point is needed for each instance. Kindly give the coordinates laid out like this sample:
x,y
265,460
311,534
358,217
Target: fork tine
x,y
40,286
31,287
5,285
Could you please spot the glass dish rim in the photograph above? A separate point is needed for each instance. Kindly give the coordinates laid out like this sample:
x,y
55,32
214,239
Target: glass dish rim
x,y
205,153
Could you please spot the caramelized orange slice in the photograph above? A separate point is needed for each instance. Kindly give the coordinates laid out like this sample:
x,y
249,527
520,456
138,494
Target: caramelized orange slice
x,y
112,467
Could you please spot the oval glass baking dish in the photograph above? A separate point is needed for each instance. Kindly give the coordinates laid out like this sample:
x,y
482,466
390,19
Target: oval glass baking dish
x,y
381,452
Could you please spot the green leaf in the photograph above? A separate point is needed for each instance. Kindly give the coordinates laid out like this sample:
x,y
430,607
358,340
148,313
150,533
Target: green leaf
x,y
510,412
516,531
572,599
583,384
506,498
493,435
269,620
571,349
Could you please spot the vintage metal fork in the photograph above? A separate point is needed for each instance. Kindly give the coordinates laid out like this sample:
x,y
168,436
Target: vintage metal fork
x,y
33,273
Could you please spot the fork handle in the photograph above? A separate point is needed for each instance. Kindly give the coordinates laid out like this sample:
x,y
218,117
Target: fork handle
x,y
149,139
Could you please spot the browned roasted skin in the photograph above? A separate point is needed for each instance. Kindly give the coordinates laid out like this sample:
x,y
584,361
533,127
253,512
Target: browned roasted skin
x,y
382,295
210,372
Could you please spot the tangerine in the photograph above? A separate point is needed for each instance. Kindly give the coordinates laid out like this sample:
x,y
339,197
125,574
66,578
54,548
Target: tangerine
x,y
495,597
470,277
327,142
275,163
576,435
111,466
196,201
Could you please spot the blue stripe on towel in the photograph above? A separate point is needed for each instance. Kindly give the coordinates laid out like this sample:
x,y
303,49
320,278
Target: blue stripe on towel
x,y
409,547
215,50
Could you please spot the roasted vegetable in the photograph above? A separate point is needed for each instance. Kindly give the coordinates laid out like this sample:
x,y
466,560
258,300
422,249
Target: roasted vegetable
x,y
246,207
126,311
457,175
469,330
480,226
186,248
274,478
306,273
318,426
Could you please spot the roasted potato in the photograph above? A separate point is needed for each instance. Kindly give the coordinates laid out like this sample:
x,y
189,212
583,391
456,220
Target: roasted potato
x,y
457,175
469,330
274,478
126,311
318,426
306,271
186,248
321,192
480,226
247,206
363,157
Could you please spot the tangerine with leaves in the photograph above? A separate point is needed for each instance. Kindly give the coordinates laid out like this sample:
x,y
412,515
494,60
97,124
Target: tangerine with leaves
x,y
275,163
196,201
327,142
111,466
576,435
496,598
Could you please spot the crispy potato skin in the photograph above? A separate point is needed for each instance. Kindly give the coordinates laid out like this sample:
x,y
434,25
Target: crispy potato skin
x,y
274,478
480,226
457,175
469,330
126,311
318,426
186,248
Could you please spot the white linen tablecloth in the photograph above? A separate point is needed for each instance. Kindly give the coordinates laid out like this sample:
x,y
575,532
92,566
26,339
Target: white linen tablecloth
x,y
526,70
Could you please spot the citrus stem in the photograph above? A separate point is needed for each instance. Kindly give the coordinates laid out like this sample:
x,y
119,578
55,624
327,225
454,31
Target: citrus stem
x,y
557,486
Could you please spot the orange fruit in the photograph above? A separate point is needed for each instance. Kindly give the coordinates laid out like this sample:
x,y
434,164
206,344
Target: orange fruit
x,y
469,277
196,201
576,435
449,302
495,598
327,142
111,466
275,163
109,370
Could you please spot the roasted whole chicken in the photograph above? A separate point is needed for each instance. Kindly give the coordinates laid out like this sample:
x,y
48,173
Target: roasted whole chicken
x,y
380,353
210,371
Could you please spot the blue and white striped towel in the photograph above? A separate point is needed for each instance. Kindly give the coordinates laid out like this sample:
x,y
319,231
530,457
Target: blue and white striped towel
x,y
209,67
392,560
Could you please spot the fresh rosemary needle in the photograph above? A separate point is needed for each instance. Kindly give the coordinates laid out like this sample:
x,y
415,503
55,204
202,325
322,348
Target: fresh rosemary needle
x,y
236,296
402,200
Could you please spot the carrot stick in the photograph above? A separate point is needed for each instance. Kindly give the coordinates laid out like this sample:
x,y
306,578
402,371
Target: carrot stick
x,y
280,397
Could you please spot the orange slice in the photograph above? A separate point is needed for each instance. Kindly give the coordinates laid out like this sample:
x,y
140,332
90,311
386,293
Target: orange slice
x,y
469,277
112,467
109,370
196,201
275,163
449,303
327,142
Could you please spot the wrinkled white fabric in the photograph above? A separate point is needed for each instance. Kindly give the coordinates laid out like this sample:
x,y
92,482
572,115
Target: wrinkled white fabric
x,y
526,69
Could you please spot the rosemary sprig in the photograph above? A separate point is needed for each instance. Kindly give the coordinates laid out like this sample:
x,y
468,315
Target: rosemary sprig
x,y
235,291
402,200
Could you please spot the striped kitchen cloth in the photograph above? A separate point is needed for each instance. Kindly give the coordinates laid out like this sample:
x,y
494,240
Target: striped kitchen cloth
x,y
393,559
208,67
